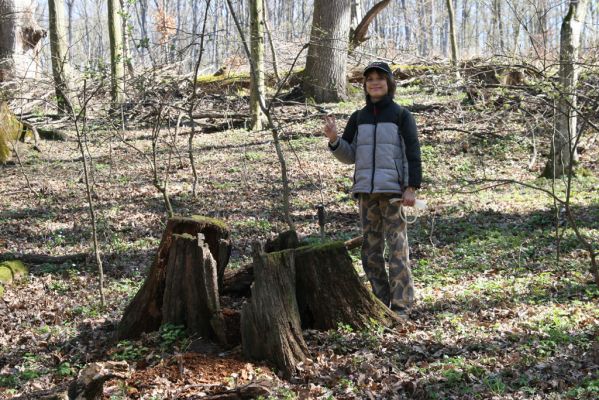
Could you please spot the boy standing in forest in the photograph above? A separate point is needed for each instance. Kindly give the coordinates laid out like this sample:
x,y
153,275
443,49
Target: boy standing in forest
x,y
381,140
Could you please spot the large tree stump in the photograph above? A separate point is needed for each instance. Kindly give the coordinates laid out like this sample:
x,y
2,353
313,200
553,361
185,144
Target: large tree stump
x,y
270,324
144,313
329,290
191,290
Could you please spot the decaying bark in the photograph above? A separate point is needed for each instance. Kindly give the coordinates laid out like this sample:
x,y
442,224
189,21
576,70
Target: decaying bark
x,y
144,313
270,323
20,37
308,287
191,291
329,290
90,381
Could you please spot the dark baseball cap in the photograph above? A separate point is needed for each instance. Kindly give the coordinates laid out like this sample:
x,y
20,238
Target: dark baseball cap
x,y
380,65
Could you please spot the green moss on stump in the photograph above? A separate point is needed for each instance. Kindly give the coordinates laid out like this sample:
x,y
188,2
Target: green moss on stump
x,y
211,221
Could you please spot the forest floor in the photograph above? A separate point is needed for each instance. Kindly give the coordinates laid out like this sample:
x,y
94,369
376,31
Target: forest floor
x,y
498,315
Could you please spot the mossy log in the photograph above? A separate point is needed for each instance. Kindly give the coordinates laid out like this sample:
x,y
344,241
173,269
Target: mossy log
x,y
144,313
329,290
270,323
191,290
11,271
12,130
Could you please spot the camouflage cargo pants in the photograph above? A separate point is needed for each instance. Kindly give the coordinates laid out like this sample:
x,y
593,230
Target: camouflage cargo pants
x,y
381,223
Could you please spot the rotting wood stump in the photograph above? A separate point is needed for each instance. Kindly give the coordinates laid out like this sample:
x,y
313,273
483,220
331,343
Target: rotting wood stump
x,y
270,324
145,312
329,290
191,290
308,287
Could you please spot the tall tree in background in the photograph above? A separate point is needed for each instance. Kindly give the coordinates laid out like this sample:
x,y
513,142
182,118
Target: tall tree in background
x,y
356,14
20,36
117,67
325,74
453,40
58,50
562,148
257,51
357,34
497,27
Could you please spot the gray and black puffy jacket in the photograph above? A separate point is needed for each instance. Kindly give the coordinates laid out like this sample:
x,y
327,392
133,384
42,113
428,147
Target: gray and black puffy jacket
x,y
382,140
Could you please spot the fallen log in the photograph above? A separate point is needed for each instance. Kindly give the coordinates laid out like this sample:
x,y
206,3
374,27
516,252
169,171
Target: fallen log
x,y
43,258
353,243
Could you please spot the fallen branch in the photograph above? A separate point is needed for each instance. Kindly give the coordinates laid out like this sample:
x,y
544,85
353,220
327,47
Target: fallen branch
x,y
43,258
353,243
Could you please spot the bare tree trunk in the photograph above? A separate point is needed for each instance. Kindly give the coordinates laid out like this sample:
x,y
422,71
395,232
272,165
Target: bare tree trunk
x,y
19,39
273,50
406,24
539,29
271,125
356,14
500,27
463,28
117,67
125,15
452,36
142,13
58,50
257,64
563,152
70,4
192,102
325,74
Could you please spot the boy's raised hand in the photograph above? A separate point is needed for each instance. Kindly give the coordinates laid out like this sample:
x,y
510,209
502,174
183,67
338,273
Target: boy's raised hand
x,y
330,128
